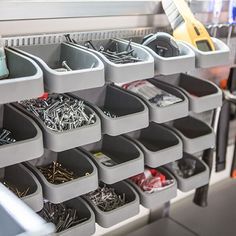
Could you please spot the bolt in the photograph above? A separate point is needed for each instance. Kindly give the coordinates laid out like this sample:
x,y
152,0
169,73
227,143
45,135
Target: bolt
x,y
64,64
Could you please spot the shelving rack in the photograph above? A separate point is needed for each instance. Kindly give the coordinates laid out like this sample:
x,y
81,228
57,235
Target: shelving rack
x,y
40,22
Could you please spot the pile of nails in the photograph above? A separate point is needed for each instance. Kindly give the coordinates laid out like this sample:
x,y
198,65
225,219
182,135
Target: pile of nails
x,y
114,53
16,190
6,137
59,112
109,114
55,173
106,198
152,180
184,167
60,215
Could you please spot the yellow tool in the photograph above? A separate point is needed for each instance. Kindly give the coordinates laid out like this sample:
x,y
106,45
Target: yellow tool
x,y
185,26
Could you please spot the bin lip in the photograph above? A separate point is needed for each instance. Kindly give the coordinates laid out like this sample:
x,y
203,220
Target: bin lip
x,y
36,76
97,123
107,61
100,65
39,134
71,182
136,199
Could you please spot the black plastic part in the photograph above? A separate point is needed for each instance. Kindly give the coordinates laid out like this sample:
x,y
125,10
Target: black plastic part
x,y
201,194
222,136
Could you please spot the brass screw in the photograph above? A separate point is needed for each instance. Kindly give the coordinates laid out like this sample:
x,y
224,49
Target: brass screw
x,y
15,190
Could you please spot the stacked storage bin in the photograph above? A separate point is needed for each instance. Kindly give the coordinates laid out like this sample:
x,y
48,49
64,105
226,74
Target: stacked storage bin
x,y
138,135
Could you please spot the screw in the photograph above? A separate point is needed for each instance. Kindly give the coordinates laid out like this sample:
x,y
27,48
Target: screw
x,y
106,198
116,56
59,112
64,64
61,216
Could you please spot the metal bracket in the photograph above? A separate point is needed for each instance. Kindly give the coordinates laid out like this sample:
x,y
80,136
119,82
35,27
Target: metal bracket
x,y
77,36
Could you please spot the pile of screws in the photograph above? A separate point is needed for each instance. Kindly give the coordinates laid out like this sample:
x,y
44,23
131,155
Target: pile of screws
x,y
56,174
106,198
112,52
60,113
184,167
109,114
15,190
6,137
152,180
60,215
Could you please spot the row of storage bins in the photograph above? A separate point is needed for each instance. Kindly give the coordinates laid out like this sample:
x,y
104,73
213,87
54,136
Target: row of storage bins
x,y
32,68
155,142
26,176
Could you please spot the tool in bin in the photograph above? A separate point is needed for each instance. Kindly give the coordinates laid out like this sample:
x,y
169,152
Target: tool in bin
x,y
162,44
185,26
201,194
4,72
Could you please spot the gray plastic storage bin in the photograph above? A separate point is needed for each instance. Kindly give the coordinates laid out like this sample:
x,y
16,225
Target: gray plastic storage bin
x,y
130,209
87,69
28,136
126,156
20,177
200,178
152,200
120,73
171,65
61,141
25,79
195,134
73,160
159,144
86,228
132,113
203,95
215,58
168,113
